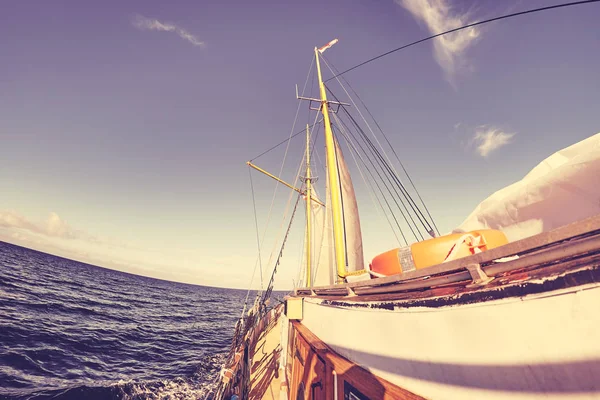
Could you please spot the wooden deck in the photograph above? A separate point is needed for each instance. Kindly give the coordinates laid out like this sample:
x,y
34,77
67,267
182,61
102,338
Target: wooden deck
x,y
265,383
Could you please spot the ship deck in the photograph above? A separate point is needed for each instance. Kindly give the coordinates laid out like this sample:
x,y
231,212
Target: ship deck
x,y
265,382
565,260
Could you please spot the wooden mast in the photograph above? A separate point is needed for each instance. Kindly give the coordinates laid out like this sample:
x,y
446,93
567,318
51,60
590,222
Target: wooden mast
x,y
308,210
333,180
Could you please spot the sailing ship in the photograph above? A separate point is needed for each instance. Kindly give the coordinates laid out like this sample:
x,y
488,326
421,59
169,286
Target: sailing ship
x,y
506,306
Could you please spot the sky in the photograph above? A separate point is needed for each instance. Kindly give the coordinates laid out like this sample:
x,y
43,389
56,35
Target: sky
x,y
125,126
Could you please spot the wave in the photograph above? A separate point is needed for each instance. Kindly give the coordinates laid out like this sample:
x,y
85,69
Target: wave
x,y
74,331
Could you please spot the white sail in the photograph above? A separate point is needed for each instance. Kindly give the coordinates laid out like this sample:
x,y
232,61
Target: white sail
x,y
562,189
352,232
324,265
323,250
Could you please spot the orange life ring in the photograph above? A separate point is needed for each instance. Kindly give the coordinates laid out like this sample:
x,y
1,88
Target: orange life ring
x,y
435,251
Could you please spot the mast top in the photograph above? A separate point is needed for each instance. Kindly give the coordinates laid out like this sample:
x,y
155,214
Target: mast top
x,y
327,46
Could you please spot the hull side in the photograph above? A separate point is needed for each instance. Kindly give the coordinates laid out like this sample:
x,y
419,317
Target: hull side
x,y
532,347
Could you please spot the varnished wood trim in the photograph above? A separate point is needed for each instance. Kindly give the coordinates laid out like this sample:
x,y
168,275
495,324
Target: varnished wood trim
x,y
566,275
369,384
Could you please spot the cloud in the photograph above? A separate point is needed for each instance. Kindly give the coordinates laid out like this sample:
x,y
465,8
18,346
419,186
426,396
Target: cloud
x,y
488,139
54,226
19,236
448,50
10,219
150,24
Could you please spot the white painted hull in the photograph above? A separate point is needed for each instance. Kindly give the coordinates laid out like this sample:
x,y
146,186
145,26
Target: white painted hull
x,y
539,346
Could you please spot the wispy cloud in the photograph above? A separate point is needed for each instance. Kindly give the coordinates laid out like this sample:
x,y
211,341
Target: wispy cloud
x,y
438,16
488,139
150,24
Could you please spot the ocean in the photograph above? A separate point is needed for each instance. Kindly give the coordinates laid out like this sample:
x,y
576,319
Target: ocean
x,y
70,330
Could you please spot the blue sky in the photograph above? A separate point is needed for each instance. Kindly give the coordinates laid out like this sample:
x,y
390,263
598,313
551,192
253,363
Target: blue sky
x,y
125,126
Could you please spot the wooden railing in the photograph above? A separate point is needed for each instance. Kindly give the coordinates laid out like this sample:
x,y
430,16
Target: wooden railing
x,y
570,241
235,376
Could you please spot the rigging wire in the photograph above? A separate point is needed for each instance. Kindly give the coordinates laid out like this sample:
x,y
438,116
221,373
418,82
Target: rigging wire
x,y
269,290
385,168
300,264
385,164
388,165
334,70
257,230
354,152
285,157
381,163
377,171
390,175
314,132
534,10
295,183
277,185
319,165
376,152
278,144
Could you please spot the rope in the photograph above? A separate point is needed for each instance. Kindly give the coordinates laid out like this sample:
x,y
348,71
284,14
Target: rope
x,y
257,230
475,243
389,183
379,187
301,263
287,148
390,174
334,71
269,290
575,3
277,185
351,146
289,201
279,144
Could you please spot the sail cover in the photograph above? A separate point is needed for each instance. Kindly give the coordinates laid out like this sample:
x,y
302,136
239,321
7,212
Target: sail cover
x,y
562,189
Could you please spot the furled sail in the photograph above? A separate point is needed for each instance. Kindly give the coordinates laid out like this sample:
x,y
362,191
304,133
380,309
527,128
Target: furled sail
x,y
324,265
352,232
562,189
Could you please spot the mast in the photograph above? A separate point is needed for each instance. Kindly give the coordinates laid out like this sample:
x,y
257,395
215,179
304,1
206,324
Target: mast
x,y
308,210
333,180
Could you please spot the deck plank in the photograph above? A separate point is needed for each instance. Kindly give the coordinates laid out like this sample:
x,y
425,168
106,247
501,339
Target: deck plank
x,y
265,383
